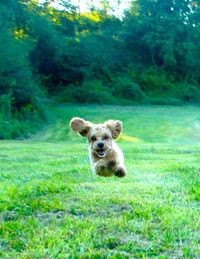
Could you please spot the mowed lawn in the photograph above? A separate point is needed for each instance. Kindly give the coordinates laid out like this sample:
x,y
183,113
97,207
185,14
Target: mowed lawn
x,y
52,206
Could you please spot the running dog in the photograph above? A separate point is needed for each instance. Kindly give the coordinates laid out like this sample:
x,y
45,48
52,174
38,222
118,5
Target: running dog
x,y
106,157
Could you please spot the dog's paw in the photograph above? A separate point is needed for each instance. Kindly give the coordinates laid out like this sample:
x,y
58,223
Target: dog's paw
x,y
111,164
120,172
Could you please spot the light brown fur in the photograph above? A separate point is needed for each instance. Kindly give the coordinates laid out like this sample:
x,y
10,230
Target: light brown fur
x,y
106,158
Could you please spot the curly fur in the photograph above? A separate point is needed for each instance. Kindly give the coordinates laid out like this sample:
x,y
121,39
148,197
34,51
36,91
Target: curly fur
x,y
106,157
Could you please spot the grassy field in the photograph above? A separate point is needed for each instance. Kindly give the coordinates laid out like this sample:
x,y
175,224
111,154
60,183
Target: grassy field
x,y
52,206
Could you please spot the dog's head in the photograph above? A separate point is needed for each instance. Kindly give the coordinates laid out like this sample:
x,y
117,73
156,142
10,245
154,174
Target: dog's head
x,y
100,136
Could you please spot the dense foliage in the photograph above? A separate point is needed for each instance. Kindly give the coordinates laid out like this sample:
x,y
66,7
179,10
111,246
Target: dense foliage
x,y
149,55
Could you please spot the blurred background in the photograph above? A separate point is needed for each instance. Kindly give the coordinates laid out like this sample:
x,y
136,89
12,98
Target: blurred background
x,y
100,52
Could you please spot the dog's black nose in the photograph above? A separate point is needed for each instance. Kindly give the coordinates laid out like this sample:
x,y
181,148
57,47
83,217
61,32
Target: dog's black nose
x,y
100,144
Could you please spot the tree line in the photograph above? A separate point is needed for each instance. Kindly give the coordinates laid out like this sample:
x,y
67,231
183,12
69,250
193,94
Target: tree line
x,y
150,55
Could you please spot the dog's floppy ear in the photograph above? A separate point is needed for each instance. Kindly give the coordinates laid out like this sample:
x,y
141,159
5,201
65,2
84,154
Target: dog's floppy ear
x,y
115,127
81,126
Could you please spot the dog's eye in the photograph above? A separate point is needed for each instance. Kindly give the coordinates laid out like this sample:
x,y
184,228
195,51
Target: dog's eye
x,y
105,137
93,138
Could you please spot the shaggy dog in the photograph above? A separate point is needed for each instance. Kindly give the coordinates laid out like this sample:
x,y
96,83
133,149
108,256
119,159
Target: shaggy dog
x,y
106,158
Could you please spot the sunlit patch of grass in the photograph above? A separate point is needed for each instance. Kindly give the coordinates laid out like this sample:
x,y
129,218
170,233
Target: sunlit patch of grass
x,y
52,206
129,138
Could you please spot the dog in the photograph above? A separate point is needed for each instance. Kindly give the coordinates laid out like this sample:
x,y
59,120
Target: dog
x,y
106,157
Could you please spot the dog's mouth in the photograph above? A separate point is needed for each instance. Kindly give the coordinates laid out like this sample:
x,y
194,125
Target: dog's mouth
x,y
101,153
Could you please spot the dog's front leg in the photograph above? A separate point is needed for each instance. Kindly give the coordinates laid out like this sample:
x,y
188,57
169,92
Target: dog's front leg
x,y
101,168
120,171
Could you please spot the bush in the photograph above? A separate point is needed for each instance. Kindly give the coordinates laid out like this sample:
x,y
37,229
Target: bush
x,y
187,92
9,128
154,80
19,127
162,88
18,124
124,87
92,91
5,106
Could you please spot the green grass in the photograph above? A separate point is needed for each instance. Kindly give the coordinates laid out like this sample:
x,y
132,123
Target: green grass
x,y
52,206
